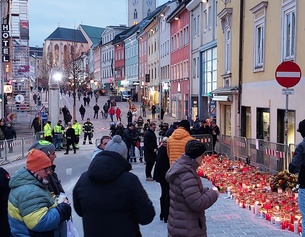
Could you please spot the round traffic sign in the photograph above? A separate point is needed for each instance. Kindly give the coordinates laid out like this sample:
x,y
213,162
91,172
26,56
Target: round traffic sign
x,y
19,98
288,74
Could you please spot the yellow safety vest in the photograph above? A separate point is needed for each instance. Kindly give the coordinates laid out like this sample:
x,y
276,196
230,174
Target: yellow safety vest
x,y
77,128
47,130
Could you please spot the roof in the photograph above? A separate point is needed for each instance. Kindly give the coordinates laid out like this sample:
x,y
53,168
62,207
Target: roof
x,y
65,34
93,32
177,10
36,52
124,34
226,90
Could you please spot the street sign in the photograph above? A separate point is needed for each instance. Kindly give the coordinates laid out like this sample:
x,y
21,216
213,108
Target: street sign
x,y
19,98
287,91
9,117
288,74
8,89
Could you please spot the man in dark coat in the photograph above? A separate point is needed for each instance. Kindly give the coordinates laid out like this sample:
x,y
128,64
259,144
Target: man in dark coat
x,y
96,108
108,190
10,135
128,138
70,135
214,131
36,124
150,150
161,167
4,192
82,111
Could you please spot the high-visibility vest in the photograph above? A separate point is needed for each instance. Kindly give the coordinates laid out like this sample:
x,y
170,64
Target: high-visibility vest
x,y
47,130
77,128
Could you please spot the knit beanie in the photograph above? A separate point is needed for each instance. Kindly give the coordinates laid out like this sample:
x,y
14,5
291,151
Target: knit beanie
x,y
194,148
117,145
185,124
37,160
301,128
43,145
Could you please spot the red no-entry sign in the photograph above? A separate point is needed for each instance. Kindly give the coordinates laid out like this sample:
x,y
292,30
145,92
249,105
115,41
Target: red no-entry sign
x,y
288,74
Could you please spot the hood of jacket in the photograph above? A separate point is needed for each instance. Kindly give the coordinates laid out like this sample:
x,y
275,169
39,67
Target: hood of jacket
x,y
23,177
95,152
180,133
182,165
107,166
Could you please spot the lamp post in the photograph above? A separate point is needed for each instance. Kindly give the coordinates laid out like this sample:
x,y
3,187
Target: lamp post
x,y
54,79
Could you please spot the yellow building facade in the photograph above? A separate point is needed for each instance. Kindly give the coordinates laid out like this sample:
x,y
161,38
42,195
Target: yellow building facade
x,y
254,38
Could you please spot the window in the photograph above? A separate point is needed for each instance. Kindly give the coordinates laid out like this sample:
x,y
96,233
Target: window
x,y
210,17
205,20
227,51
289,34
135,14
195,27
209,71
186,35
259,12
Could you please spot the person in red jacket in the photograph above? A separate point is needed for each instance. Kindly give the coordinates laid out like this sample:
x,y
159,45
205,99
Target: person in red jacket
x,y
111,112
118,114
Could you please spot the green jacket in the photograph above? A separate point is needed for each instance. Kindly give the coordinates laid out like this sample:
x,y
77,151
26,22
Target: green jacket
x,y
31,206
77,128
47,130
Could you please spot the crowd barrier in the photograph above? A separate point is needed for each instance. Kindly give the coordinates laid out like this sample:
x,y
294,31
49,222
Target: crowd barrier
x,y
14,149
269,156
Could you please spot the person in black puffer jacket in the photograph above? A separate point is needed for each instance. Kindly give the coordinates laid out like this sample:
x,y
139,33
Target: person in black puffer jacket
x,y
297,165
109,198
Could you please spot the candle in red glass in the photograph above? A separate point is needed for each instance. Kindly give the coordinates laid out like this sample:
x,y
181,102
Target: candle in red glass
x,y
300,229
268,217
284,225
291,227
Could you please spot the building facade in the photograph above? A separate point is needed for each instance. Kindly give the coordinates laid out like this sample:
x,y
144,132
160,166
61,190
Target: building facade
x,y
179,21
164,54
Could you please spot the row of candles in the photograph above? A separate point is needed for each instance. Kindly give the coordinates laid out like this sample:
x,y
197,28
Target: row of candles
x,y
250,189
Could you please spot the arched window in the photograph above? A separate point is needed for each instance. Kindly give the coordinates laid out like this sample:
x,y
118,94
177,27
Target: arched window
x,y
148,12
135,14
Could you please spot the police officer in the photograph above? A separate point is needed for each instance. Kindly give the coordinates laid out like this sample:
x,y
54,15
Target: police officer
x,y
77,128
47,129
58,134
88,130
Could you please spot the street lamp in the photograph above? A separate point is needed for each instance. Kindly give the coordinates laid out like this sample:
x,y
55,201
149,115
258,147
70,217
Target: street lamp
x,y
54,79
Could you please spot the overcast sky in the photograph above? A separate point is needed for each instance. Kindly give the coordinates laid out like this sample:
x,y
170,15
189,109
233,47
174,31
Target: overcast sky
x,y
46,16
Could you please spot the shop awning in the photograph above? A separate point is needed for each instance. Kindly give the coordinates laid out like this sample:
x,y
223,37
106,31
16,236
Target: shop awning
x,y
227,90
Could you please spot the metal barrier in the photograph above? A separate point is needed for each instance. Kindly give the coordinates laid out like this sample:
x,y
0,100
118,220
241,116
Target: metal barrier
x,y
225,146
207,139
240,148
14,149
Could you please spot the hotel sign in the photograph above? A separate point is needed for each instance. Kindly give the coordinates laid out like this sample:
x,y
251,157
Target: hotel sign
x,y
5,43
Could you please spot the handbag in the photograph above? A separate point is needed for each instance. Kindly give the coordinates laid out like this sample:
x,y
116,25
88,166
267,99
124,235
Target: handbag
x,y
71,230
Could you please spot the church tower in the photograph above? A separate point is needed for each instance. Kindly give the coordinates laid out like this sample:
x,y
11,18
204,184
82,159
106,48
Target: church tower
x,y
139,9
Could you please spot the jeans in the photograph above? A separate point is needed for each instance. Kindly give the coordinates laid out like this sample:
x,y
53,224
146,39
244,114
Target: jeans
x,y
132,151
302,207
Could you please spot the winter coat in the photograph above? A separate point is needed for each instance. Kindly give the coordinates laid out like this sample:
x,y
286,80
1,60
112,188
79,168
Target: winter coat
x,y
150,143
88,127
110,199
54,184
82,110
128,137
297,164
188,200
4,192
176,143
9,133
31,207
111,111
162,165
96,108
118,113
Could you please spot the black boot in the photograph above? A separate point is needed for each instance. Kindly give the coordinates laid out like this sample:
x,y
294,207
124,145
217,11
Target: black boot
x,y
141,160
162,209
134,160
